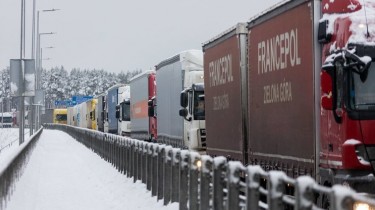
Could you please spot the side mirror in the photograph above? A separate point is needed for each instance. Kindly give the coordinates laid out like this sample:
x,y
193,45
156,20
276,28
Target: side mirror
x,y
184,99
323,36
183,113
151,112
117,114
118,111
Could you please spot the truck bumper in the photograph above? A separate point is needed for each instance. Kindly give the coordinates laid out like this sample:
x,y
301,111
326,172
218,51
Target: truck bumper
x,y
360,181
365,184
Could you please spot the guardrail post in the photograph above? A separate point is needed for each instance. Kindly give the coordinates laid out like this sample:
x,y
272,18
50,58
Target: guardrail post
x,y
150,154
144,162
253,184
127,157
161,157
304,193
205,181
131,159
218,182
154,178
233,184
194,167
175,175
184,175
168,174
139,160
110,146
111,150
135,161
123,156
115,151
119,153
276,189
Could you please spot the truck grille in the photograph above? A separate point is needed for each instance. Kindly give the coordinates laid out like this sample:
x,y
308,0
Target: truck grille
x,y
371,155
203,137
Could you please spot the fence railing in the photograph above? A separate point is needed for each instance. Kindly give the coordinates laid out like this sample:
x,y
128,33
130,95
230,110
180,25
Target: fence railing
x,y
12,169
200,182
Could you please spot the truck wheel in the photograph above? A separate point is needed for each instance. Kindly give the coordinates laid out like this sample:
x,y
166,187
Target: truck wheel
x,y
325,202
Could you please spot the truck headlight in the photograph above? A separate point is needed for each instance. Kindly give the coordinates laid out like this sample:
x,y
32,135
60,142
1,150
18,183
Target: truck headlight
x,y
361,206
198,164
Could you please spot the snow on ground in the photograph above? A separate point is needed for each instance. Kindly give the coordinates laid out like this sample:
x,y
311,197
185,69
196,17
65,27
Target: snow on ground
x,y
8,135
63,174
9,143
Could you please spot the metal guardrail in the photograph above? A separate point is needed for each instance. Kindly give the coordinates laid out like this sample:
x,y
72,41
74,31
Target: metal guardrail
x,y
10,143
200,182
13,168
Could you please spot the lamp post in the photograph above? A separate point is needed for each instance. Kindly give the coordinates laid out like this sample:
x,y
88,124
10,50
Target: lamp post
x,y
37,28
22,55
34,55
37,51
39,72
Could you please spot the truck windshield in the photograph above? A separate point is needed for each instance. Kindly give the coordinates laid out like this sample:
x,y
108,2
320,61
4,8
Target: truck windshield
x,y
6,119
61,117
125,115
199,112
362,94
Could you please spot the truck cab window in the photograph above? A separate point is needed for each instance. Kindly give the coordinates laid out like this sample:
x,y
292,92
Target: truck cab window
x,y
199,109
362,95
339,85
190,102
61,117
125,111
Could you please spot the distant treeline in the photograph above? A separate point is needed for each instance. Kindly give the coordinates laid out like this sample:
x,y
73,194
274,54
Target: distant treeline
x,y
59,84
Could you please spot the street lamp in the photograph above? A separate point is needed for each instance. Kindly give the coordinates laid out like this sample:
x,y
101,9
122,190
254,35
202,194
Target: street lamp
x,y
41,56
39,72
39,61
37,30
37,51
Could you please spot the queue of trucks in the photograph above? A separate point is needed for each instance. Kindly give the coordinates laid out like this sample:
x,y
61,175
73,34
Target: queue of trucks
x,y
292,89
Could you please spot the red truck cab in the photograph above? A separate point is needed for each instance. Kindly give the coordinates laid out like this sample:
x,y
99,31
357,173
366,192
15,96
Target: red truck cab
x,y
347,153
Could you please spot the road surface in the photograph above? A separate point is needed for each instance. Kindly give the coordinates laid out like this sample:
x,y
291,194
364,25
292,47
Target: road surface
x,y
64,174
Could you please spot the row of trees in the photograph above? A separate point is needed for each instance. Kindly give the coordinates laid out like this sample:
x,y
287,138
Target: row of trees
x,y
59,84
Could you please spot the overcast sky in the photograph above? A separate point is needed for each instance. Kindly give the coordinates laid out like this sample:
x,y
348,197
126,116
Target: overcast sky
x,y
120,35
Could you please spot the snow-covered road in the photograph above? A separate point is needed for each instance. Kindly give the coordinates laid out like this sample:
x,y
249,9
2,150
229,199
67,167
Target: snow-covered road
x,y
63,174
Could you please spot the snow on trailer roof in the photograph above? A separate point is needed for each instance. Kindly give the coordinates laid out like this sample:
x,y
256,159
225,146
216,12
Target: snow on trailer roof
x,y
236,29
115,86
190,59
6,114
142,74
